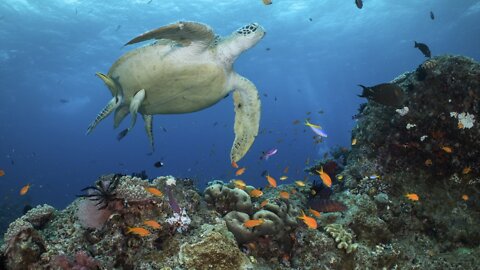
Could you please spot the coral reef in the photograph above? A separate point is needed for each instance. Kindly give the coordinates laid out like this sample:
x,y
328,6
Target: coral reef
x,y
427,147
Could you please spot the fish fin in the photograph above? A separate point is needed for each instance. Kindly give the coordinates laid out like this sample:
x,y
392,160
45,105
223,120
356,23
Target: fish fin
x,y
415,45
364,92
247,116
107,110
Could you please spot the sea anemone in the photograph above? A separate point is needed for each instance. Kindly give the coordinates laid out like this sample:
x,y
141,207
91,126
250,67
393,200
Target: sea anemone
x,y
103,192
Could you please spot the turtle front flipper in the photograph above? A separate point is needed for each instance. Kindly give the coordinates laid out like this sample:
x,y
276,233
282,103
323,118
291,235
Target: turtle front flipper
x,y
134,105
181,32
247,116
109,108
148,119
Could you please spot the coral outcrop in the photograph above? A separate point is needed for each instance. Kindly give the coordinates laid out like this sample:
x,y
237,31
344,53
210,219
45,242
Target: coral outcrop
x,y
426,147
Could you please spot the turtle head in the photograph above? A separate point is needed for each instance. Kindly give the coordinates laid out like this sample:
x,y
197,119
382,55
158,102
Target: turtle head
x,y
249,35
242,39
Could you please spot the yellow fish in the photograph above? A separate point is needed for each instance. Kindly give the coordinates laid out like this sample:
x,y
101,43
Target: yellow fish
x,y
311,125
354,141
340,177
447,149
300,183
239,184
283,178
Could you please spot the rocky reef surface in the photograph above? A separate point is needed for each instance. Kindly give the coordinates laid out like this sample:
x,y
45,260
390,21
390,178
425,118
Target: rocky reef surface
x,y
429,148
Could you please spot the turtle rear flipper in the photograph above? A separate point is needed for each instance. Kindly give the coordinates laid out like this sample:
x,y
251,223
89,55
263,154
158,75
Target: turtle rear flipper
x,y
108,109
134,105
181,32
247,116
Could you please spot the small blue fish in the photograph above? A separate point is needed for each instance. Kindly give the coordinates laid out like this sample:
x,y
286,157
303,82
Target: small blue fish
x,y
266,155
319,132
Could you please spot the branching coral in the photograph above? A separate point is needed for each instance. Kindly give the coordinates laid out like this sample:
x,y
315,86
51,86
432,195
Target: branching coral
x,y
342,237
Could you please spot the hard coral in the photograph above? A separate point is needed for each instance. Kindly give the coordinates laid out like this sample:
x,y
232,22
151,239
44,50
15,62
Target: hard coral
x,y
342,237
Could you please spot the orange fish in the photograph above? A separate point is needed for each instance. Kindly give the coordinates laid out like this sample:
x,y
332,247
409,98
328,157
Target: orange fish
x,y
283,178
2,173
239,184
152,224
314,212
24,189
234,165
428,162
327,181
467,170
271,181
256,193
154,191
264,203
253,223
286,170
138,231
300,183
240,171
309,221
447,149
412,196
284,195
465,197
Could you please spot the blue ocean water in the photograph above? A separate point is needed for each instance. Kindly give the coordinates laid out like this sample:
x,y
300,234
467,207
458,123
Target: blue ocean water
x,y
312,58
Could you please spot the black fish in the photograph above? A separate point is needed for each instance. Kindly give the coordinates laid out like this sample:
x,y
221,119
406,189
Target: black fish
x,y
388,94
432,16
359,3
423,48
62,100
158,164
264,173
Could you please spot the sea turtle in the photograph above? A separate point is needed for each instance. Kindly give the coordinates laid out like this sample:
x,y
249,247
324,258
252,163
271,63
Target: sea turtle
x,y
187,69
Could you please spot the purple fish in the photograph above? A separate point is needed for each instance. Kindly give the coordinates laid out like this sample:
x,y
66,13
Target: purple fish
x,y
319,132
266,155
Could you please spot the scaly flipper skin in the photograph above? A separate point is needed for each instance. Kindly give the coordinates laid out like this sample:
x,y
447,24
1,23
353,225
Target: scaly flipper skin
x,y
111,106
148,119
247,116
134,105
